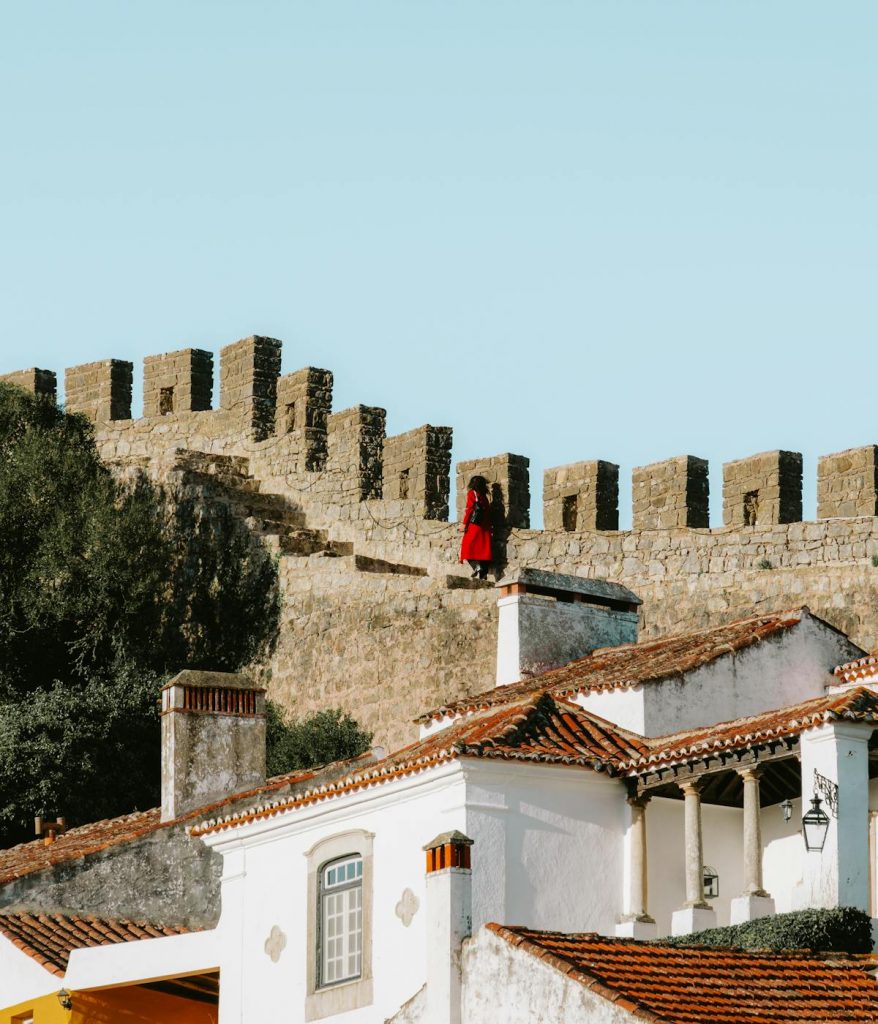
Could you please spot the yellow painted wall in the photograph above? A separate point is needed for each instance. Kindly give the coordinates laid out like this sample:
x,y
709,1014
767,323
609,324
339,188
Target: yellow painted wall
x,y
114,1006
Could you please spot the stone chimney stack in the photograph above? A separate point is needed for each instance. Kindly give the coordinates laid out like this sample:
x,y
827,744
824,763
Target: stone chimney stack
x,y
547,620
213,739
449,922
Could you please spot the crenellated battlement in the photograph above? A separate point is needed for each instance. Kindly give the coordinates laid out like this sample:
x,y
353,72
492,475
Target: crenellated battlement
x,y
335,461
368,563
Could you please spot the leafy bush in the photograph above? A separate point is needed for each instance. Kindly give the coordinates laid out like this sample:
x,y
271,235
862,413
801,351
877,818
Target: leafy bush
x,y
104,591
330,735
840,930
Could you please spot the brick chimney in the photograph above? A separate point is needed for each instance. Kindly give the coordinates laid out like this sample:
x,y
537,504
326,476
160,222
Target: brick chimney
x,y
547,620
449,922
213,739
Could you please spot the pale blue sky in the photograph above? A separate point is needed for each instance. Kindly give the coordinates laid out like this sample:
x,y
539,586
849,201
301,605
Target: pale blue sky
x,y
620,230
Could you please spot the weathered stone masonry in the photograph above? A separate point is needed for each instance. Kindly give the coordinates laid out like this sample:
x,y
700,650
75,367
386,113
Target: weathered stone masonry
x,y
378,615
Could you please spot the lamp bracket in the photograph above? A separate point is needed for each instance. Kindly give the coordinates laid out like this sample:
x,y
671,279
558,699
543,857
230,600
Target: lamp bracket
x,y
827,790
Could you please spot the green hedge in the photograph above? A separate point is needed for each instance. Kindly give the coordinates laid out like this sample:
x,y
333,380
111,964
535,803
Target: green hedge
x,y
841,930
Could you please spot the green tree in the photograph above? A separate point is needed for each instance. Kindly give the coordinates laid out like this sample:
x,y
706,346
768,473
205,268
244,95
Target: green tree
x,y
329,735
105,590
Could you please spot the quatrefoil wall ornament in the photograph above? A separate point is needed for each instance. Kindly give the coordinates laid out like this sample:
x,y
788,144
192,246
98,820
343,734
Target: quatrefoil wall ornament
x,y
407,907
275,944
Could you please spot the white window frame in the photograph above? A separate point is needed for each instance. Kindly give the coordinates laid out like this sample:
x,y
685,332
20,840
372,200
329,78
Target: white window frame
x,y
347,896
325,999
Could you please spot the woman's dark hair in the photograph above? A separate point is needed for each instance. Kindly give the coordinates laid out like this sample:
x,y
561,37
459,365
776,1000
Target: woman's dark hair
x,y
478,484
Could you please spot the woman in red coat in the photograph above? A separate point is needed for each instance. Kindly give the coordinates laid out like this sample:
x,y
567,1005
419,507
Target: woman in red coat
x,y
475,545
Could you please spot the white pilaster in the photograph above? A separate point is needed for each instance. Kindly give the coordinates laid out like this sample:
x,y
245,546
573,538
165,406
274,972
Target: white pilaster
x,y
508,640
449,922
838,876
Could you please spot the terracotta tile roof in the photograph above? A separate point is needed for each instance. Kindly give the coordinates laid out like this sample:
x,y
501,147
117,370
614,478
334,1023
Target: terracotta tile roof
x,y
862,668
856,705
706,985
27,858
539,728
51,938
612,668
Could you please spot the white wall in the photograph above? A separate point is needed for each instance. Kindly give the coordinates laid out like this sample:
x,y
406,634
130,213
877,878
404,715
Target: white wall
x,y
548,847
272,883
503,983
21,977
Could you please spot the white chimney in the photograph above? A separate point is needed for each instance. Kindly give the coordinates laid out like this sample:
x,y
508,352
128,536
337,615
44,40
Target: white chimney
x,y
547,620
213,739
449,922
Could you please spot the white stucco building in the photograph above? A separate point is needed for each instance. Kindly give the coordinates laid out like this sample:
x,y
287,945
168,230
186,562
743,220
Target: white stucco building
x,y
642,790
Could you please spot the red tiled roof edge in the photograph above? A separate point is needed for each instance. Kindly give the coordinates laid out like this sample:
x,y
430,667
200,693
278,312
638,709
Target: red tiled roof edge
x,y
587,980
110,832
772,623
49,939
834,707
353,783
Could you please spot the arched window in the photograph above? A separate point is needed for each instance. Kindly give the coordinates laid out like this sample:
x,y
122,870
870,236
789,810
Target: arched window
x,y
341,921
339,924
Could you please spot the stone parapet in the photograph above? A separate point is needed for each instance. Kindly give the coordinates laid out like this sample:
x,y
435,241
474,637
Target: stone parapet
x,y
355,453
249,370
508,479
417,468
304,403
671,493
847,483
177,382
763,489
39,382
101,391
581,496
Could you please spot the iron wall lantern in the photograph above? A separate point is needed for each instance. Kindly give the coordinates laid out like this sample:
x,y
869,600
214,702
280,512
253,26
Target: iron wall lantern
x,y
815,826
787,808
711,883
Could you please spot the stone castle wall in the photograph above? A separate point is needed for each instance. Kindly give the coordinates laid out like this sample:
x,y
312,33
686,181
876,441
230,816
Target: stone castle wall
x,y
379,616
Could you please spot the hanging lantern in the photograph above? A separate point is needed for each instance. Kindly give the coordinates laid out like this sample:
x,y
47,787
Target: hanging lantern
x,y
711,883
815,826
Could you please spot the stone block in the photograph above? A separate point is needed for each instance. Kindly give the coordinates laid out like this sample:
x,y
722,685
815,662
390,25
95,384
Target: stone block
x,y
670,494
417,467
581,496
177,382
508,479
249,370
101,391
763,490
355,447
304,403
39,382
847,483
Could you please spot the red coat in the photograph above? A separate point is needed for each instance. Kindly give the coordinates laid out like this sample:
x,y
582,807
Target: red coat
x,y
476,541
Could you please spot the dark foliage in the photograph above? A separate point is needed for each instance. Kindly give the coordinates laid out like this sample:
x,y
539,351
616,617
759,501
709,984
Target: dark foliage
x,y
104,590
839,930
330,735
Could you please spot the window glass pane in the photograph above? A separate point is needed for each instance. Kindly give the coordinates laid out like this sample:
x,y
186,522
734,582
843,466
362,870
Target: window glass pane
x,y
341,954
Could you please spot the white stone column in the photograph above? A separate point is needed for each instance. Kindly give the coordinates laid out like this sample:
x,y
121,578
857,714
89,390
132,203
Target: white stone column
x,y
637,923
838,875
754,901
697,914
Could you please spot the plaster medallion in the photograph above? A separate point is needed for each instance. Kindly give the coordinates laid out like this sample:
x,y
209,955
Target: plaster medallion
x,y
407,907
275,944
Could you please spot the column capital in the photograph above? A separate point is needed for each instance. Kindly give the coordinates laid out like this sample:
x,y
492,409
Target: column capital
x,y
638,800
691,786
752,771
